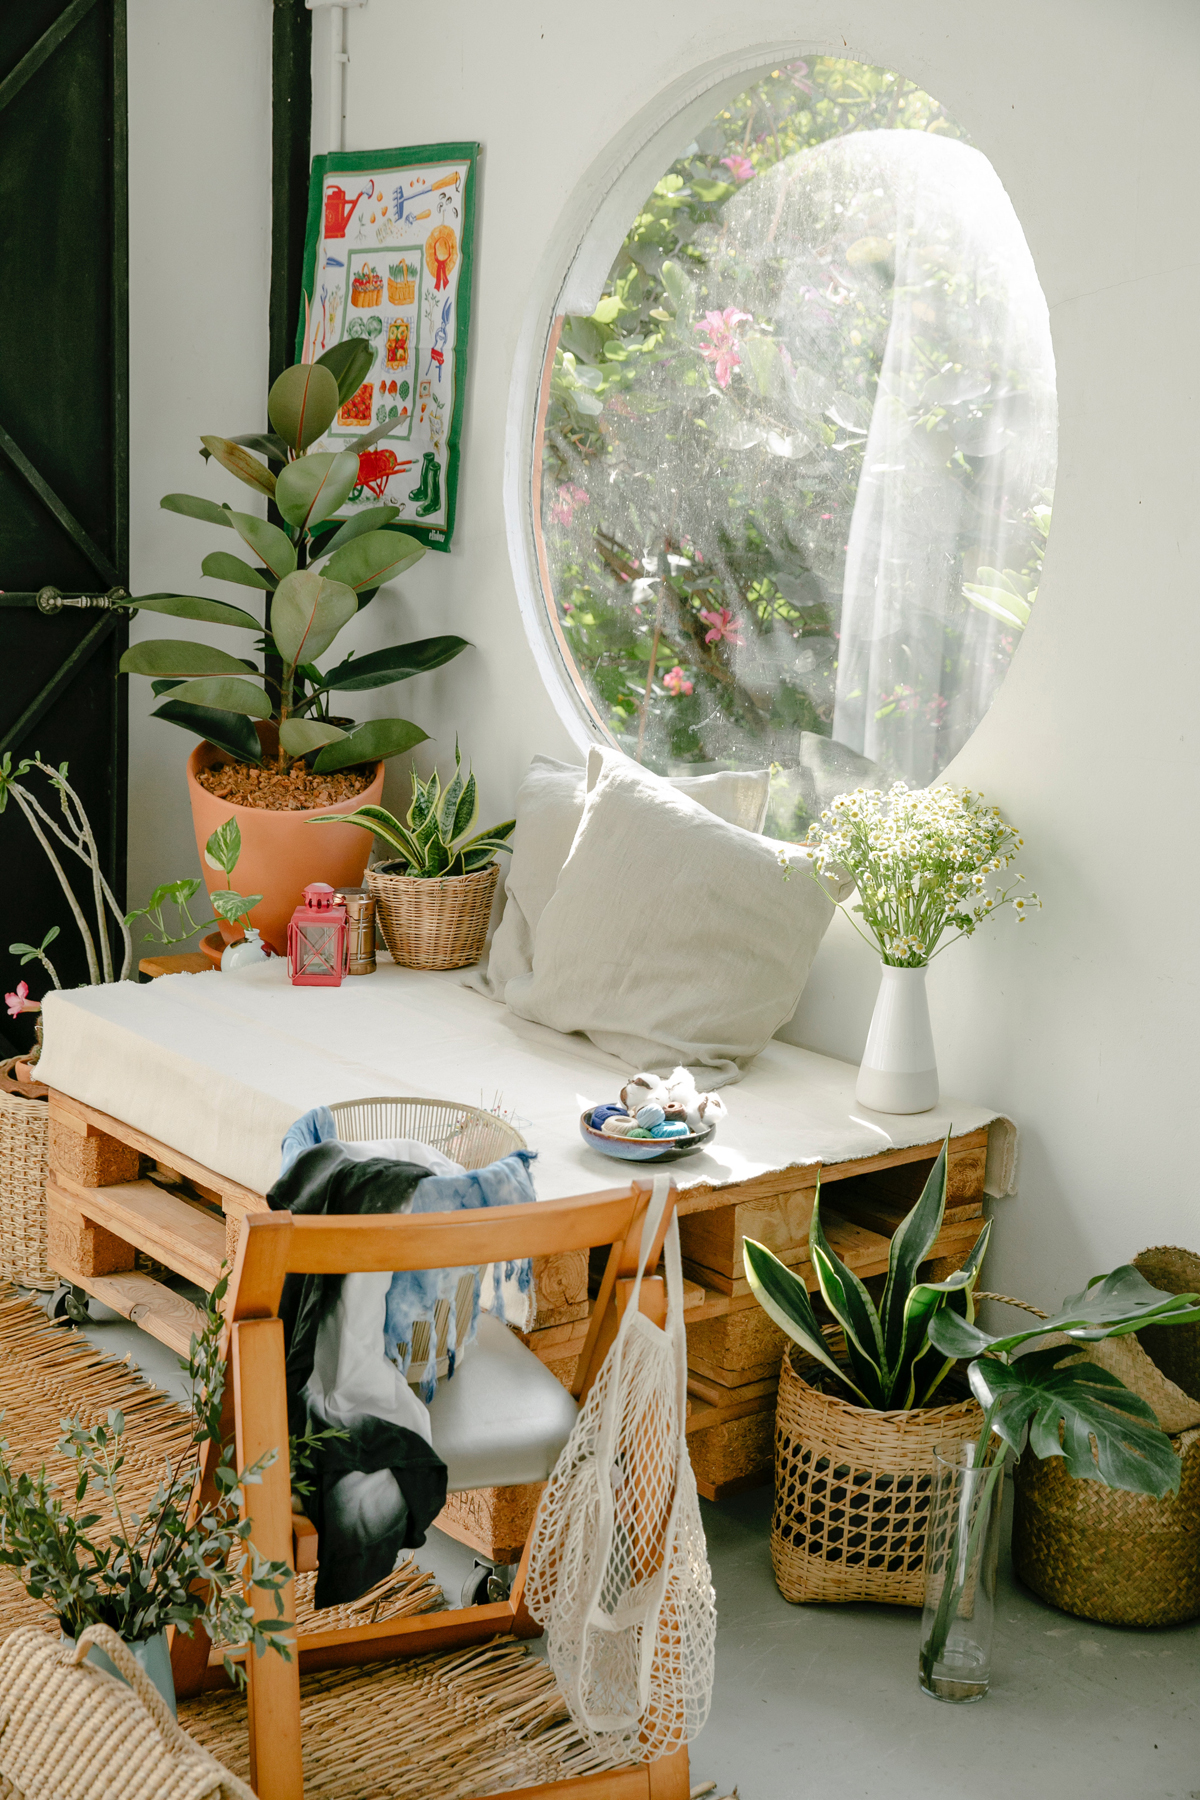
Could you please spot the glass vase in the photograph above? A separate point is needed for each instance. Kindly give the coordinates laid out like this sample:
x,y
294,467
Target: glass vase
x,y
961,1548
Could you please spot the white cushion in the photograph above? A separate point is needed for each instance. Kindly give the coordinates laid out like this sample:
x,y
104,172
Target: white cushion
x,y
549,808
503,1418
671,936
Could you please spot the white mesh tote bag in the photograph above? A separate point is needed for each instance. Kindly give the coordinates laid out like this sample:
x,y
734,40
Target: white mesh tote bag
x,y
618,1569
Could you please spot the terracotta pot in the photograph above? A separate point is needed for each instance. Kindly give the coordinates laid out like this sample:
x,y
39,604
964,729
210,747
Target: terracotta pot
x,y
281,851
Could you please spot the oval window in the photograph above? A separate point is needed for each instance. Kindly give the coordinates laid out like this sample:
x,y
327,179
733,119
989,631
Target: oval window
x,y
793,473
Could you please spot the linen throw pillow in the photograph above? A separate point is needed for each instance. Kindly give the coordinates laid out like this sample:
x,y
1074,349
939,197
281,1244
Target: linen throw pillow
x,y
671,936
549,809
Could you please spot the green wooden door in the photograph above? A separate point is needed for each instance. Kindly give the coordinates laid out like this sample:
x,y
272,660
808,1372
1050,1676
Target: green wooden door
x,y
64,444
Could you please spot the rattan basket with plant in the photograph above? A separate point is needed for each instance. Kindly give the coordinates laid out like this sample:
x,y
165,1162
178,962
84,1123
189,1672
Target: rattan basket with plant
x,y
434,900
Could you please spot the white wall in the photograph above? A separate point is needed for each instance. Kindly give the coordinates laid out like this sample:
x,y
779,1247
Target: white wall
x,y
1077,1022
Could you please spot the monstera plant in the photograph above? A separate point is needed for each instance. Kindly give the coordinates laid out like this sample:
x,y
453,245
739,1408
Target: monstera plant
x,y
313,573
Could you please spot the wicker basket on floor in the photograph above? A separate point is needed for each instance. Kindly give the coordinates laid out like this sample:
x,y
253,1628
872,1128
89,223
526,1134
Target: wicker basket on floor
x,y
433,924
852,1492
24,1135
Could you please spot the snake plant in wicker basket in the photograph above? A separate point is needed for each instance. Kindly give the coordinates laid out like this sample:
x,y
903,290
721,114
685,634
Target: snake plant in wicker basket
x,y
891,1360
428,843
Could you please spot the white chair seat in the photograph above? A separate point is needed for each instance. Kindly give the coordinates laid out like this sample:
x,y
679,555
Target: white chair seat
x,y
502,1420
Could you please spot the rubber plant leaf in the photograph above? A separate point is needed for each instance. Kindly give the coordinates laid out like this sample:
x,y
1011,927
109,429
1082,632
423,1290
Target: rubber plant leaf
x,y
197,606
307,613
313,487
267,443
921,1369
348,363
371,518
225,730
222,565
784,1298
381,667
193,507
227,694
180,657
303,403
368,439
224,846
272,546
377,819
377,739
1071,1406
374,558
238,460
912,1243
853,1308
1112,1306
300,737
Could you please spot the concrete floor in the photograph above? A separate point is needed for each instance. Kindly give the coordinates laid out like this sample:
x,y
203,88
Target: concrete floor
x,y
822,1703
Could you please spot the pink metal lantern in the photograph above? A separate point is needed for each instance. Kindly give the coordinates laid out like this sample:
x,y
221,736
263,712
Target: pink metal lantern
x,y
318,939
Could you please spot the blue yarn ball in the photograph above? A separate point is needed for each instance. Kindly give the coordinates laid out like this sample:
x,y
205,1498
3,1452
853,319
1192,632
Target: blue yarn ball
x,y
610,1110
669,1129
650,1116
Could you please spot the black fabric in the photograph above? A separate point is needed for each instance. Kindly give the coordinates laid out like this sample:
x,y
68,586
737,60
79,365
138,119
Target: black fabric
x,y
357,1545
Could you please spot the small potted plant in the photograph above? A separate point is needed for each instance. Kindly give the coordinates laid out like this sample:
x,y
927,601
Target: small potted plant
x,y
435,899
270,745
922,861
858,1413
94,1560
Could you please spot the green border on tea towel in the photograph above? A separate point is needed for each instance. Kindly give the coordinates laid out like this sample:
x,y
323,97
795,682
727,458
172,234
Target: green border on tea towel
x,y
438,537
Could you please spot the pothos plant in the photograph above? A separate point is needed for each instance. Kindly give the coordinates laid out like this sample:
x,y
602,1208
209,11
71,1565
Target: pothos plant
x,y
222,851
428,842
95,1557
219,696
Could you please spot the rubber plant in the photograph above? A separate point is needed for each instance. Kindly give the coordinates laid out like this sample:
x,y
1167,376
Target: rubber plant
x,y
891,1356
428,841
219,696
1055,1402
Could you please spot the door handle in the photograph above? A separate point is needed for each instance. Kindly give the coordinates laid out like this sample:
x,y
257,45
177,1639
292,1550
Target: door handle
x,y
50,601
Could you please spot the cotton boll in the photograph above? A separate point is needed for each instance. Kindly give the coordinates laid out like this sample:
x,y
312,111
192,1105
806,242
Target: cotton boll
x,y
643,1090
650,1116
712,1108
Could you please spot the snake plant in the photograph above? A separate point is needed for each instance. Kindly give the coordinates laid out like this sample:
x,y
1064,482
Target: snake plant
x,y
428,842
891,1359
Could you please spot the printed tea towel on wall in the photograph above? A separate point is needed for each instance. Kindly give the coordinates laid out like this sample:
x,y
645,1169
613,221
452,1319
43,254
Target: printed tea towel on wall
x,y
387,258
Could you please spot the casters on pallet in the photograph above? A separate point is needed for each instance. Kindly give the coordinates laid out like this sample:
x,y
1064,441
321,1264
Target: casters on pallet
x,y
69,1302
488,1581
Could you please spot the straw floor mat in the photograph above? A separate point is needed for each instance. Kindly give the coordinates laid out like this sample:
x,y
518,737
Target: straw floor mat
x,y
467,1722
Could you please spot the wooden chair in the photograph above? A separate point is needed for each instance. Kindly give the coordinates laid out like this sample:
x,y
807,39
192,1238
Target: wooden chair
x,y
273,1245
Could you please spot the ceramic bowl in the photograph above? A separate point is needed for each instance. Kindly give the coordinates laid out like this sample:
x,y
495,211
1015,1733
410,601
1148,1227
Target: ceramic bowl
x,y
643,1149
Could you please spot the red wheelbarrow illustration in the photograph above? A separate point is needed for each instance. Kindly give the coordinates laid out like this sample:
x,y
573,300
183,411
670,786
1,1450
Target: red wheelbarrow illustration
x,y
375,470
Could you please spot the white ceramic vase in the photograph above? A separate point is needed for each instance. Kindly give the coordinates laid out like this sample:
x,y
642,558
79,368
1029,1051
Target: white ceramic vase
x,y
151,1653
898,1073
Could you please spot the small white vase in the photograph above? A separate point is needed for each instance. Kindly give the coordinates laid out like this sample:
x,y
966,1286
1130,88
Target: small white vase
x,y
151,1653
898,1073
246,950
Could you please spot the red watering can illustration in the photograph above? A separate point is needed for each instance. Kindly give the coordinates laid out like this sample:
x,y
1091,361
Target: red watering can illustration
x,y
339,210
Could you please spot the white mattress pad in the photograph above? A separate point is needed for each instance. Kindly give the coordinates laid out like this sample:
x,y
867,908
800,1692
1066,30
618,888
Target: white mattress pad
x,y
219,1065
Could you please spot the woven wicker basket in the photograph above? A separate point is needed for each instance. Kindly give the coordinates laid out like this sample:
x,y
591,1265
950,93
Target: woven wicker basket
x,y
24,1135
852,1493
439,924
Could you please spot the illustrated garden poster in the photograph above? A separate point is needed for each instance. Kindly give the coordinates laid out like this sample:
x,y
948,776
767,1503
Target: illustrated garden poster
x,y
387,258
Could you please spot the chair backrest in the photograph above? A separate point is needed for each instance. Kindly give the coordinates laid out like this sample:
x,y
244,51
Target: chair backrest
x,y
467,1135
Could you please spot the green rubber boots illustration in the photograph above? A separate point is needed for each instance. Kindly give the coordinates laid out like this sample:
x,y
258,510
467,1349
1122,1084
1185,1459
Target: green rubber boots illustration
x,y
429,494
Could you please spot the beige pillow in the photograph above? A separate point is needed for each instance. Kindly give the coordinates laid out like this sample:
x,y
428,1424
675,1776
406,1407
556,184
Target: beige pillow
x,y
549,809
672,936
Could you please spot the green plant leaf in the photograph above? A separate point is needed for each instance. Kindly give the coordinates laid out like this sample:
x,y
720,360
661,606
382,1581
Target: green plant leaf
x,y
197,606
272,546
448,806
374,558
381,667
226,694
495,834
224,846
192,507
371,518
180,657
303,403
784,1298
1111,1306
307,613
911,1245
466,810
369,438
267,443
920,1368
377,819
226,730
231,906
481,851
372,742
1068,1403
222,565
238,460
314,486
300,737
348,363
852,1307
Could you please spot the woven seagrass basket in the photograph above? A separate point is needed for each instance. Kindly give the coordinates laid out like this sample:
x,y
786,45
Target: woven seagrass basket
x,y
24,1135
852,1492
433,924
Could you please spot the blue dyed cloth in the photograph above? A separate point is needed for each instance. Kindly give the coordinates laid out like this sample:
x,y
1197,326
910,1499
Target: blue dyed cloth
x,y
316,1127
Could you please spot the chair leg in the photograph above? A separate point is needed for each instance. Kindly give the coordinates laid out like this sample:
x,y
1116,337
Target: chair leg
x,y
260,1413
